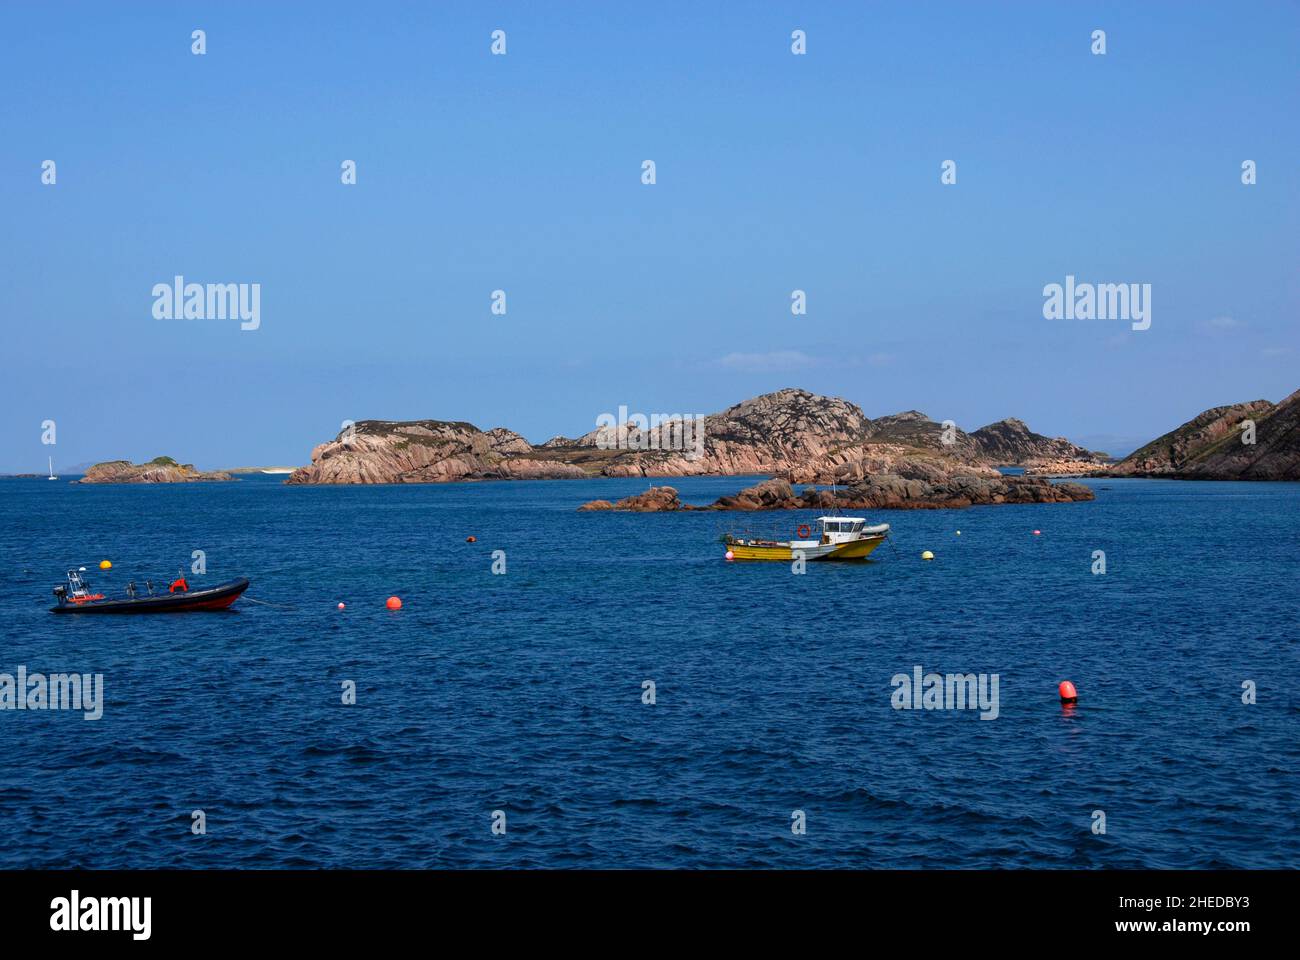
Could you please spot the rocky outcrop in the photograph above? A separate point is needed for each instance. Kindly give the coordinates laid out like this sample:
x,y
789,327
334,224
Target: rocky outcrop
x,y
1010,442
157,470
507,443
1065,468
908,444
812,439
1178,449
798,435
801,436
768,495
654,500
895,493
1213,445
885,492
767,434
891,492
772,433
427,451
851,464
915,430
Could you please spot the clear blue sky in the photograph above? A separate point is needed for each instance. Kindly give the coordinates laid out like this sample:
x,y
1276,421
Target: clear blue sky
x,y
522,172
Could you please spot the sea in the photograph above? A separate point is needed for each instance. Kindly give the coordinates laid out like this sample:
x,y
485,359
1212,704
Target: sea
x,y
605,690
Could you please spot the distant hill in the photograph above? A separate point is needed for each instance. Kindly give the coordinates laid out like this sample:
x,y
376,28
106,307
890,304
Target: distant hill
x,y
1211,445
1010,441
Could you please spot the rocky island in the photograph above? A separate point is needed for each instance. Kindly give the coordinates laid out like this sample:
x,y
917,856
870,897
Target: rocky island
x,y
433,451
1256,440
794,434
157,470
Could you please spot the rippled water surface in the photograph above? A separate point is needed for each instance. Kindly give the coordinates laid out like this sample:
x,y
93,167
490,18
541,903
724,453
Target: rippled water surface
x,y
523,692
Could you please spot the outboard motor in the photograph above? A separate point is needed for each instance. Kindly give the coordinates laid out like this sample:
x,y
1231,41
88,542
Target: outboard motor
x,y
61,592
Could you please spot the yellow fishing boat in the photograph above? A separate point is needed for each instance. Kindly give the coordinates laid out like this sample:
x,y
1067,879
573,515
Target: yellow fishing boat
x,y
833,538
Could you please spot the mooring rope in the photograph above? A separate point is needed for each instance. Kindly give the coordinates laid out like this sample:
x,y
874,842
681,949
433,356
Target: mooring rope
x,y
267,603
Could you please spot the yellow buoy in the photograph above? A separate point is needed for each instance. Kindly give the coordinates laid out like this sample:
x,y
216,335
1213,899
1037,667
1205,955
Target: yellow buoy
x,y
104,564
927,555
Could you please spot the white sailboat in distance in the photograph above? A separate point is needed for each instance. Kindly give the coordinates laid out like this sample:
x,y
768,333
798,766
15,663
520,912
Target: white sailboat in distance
x,y
51,476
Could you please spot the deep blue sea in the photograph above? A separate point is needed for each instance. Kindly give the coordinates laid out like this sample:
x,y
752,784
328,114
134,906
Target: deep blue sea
x,y
523,692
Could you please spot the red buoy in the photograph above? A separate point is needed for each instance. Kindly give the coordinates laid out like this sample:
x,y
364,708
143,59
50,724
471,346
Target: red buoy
x,y
394,603
1038,533
471,539
1068,693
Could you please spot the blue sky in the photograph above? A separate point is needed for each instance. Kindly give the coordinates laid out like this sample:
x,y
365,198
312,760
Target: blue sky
x,y
775,172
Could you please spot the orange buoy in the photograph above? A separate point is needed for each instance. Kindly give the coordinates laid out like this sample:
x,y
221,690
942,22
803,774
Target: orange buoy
x,y
394,603
471,539
1067,692
1038,533
342,606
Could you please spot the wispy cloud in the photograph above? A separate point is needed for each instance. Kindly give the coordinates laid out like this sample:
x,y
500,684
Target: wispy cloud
x,y
1221,324
773,361
780,361
1271,352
